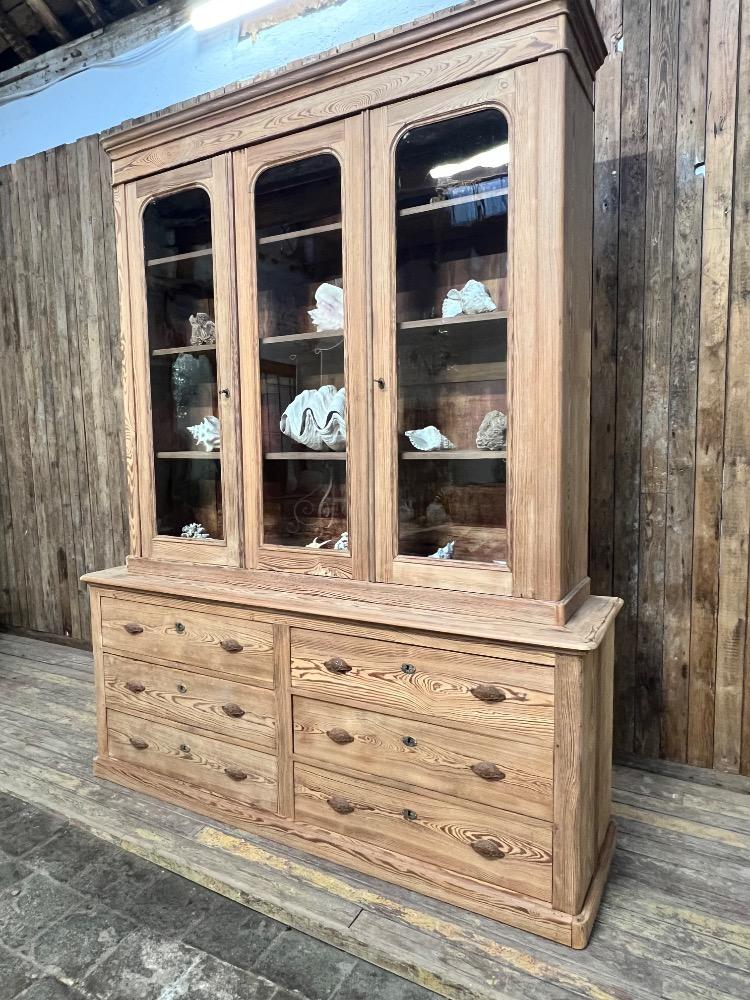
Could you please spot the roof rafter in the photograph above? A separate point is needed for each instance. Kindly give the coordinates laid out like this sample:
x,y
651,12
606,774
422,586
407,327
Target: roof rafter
x,y
49,20
13,38
94,12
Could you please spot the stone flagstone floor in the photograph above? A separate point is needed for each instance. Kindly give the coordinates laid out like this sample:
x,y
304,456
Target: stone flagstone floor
x,y
83,920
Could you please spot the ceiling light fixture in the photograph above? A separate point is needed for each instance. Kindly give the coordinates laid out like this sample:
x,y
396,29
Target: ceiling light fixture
x,y
214,12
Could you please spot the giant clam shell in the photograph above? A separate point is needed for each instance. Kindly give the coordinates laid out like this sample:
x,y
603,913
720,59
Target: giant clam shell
x,y
207,433
316,418
493,431
329,314
430,439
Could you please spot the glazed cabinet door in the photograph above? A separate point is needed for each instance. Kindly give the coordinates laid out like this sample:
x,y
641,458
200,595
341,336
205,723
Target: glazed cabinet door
x,y
180,271
442,222
303,331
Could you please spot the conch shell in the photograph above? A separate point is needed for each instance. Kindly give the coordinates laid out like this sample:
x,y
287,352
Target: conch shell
x,y
444,552
316,418
430,439
329,314
207,433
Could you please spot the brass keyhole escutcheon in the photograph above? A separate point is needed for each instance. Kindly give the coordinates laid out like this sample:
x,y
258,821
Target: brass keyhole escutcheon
x,y
182,688
409,669
408,741
409,814
184,748
179,628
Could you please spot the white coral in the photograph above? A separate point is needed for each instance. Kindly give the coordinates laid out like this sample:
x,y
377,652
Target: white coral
x,y
329,314
471,300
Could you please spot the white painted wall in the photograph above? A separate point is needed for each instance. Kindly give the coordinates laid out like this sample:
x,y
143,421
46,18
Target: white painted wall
x,y
180,65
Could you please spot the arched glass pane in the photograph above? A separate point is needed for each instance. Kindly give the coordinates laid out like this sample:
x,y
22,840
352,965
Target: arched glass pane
x,y
302,334
452,301
182,348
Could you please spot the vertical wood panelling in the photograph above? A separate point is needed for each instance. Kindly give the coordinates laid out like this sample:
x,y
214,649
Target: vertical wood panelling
x,y
62,499
670,511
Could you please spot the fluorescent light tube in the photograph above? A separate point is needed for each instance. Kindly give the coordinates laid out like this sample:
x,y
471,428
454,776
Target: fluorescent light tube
x,y
214,12
496,156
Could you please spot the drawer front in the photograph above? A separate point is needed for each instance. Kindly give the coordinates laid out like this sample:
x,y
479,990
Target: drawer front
x,y
238,648
472,766
507,850
221,706
244,775
498,696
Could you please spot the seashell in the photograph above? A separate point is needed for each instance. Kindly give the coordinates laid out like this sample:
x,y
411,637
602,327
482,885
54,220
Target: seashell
x,y
471,300
316,418
329,314
194,531
436,513
429,439
315,544
202,329
444,552
452,304
207,433
342,544
493,431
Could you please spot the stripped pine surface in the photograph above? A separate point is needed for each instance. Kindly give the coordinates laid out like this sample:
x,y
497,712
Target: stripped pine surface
x,y
675,921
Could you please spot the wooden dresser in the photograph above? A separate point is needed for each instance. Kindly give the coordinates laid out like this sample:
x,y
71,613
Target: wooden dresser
x,y
357,620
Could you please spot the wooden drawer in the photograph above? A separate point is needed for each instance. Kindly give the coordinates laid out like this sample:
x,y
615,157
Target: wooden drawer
x,y
514,776
221,706
236,647
245,775
508,850
498,696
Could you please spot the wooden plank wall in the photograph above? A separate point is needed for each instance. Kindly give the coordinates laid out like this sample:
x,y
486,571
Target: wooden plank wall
x,y
62,483
670,485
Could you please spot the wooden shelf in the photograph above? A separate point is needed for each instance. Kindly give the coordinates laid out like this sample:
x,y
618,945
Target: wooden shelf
x,y
192,255
464,199
312,231
293,456
215,455
458,454
162,351
429,324
288,338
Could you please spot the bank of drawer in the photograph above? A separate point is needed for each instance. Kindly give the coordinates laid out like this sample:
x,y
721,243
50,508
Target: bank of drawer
x,y
238,773
500,696
471,766
496,847
220,706
234,646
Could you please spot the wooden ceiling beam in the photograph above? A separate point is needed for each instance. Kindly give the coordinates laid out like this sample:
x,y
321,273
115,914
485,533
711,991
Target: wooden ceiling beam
x,y
94,11
49,20
14,39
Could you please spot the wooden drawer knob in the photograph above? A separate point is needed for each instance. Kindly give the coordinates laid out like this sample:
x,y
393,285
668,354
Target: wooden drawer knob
x,y
340,736
488,849
133,628
340,805
231,646
233,711
490,772
135,686
488,693
337,666
138,743
235,774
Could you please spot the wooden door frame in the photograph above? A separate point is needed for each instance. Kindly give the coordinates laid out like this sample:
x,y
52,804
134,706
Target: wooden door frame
x,y
388,125
344,139
213,176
